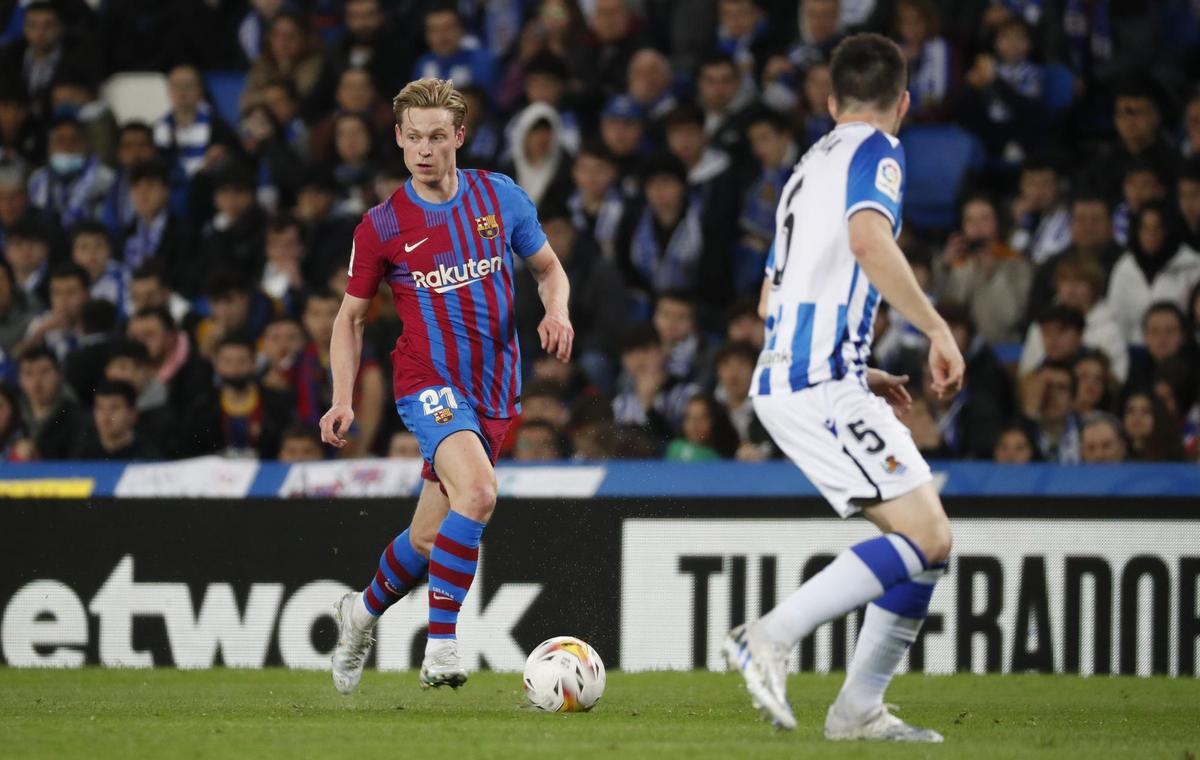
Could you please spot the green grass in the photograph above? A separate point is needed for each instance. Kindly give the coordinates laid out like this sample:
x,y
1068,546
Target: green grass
x,y
126,714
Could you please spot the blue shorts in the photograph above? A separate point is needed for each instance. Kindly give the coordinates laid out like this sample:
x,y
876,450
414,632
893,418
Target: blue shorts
x,y
432,414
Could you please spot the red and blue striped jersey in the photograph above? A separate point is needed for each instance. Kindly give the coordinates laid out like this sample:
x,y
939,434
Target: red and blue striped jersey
x,y
449,266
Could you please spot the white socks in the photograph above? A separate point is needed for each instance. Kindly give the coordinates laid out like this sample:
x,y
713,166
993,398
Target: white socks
x,y
360,617
858,575
882,642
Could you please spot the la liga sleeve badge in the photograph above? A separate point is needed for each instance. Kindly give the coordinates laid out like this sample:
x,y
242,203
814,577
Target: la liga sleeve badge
x,y
887,178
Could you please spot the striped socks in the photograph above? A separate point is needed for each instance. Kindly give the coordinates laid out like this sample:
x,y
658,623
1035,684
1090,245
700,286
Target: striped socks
x,y
856,576
400,569
451,570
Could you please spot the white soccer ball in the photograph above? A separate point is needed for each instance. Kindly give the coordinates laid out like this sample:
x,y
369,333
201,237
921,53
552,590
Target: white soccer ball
x,y
564,674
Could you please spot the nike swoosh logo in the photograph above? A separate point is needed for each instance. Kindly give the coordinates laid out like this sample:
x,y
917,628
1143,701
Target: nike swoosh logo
x,y
442,597
410,248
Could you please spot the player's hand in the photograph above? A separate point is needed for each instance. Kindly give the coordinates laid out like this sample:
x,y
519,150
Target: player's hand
x,y
945,363
557,335
890,388
335,423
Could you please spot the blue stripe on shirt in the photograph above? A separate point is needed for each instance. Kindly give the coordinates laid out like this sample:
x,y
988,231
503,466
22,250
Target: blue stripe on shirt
x,y
802,345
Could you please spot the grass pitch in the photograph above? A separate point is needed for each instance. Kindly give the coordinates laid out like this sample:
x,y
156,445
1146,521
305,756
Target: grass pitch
x,y
128,714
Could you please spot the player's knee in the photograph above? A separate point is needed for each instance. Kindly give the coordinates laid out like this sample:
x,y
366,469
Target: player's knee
x,y
477,501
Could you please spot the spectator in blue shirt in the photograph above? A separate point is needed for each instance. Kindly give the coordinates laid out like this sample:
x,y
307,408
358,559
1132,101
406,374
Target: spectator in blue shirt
x,y
448,56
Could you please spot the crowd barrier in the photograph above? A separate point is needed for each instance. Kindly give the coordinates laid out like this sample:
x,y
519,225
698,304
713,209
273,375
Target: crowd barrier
x,y
651,563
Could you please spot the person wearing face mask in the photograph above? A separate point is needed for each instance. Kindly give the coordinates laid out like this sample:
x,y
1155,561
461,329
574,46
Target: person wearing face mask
x,y
73,95
74,183
237,417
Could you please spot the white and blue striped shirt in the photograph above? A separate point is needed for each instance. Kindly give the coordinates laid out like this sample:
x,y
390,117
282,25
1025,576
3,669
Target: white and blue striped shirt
x,y
821,307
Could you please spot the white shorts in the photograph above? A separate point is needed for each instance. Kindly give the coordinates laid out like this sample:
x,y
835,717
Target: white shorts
x,y
846,440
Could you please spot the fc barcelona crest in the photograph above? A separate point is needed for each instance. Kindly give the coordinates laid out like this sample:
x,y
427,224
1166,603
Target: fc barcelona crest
x,y
487,226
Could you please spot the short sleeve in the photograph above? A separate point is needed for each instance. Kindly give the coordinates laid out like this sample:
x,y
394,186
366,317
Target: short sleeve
x,y
769,270
367,261
526,234
876,179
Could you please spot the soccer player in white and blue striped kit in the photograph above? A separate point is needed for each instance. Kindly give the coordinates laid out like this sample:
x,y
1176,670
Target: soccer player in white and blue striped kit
x,y
834,258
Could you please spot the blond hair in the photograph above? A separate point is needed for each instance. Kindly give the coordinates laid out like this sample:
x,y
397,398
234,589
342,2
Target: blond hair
x,y
431,93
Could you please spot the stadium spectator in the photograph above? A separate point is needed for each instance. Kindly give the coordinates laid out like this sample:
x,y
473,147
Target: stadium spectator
x,y
238,417
723,97
233,238
314,381
135,145
1142,184
1137,116
1048,401
91,250
11,428
1095,385
735,363
61,327
353,163
27,251
485,138
820,32
816,87
355,94
327,232
615,34
38,55
291,53
1091,238
16,312
74,184
932,79
283,340
689,357
706,433
539,163
537,441
745,34
372,43
149,289
651,83
252,28
191,135
300,443
14,198
1153,437
129,362
1004,99
1015,445
744,323
276,166
1187,190
403,445
542,401
173,358
449,57
48,408
236,307
985,376
967,423
1041,221
986,274
596,204
1165,329
1080,284
280,97
154,233
113,434
84,366
73,95
772,145
283,276
1190,145
1101,441
1157,267
545,82
650,399
622,131
1176,385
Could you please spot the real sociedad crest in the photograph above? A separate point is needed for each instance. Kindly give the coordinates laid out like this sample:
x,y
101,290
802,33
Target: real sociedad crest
x,y
487,226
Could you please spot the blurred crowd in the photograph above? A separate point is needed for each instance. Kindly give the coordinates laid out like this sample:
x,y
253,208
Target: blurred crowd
x,y
167,288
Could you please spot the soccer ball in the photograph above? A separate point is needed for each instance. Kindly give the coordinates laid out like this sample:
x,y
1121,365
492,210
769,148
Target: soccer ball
x,y
564,674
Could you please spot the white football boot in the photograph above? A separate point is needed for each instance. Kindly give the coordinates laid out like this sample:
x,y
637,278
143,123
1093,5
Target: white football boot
x,y
353,646
879,726
442,666
763,665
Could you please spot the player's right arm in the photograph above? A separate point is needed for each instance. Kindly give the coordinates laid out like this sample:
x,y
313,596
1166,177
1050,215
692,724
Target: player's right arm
x,y
345,352
886,268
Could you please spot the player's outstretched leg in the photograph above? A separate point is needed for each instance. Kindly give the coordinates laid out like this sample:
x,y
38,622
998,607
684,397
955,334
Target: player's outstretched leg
x,y
470,481
889,628
858,575
401,567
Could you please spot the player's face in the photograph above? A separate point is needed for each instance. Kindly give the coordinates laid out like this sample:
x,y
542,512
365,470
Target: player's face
x,y
429,141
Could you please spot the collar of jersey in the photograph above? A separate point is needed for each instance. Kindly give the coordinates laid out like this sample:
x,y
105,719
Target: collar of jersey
x,y
417,199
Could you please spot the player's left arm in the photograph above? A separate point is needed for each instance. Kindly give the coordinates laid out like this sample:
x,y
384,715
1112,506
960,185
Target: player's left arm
x,y
554,289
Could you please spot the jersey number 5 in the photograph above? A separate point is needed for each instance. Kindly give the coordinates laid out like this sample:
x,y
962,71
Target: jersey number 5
x,y
861,432
432,398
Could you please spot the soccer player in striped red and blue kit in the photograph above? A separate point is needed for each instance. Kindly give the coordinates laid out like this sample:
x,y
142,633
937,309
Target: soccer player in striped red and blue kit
x,y
444,243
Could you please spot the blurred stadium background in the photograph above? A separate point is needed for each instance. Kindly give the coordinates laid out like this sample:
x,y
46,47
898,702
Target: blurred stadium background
x,y
179,182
